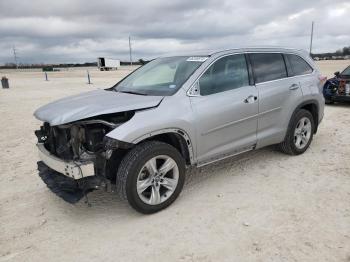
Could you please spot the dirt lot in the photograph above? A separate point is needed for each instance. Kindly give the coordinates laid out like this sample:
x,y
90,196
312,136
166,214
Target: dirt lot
x,y
261,206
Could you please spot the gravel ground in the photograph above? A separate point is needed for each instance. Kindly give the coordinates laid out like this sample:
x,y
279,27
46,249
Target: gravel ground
x,y
259,206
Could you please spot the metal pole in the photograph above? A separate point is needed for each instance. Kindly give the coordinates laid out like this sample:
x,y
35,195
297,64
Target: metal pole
x,y
88,76
15,56
130,51
46,78
312,36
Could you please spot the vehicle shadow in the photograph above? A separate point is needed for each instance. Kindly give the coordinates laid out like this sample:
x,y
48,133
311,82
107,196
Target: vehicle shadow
x,y
101,203
339,104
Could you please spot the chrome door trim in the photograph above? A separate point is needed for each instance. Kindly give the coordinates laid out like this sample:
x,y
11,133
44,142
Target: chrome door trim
x,y
229,124
270,111
240,120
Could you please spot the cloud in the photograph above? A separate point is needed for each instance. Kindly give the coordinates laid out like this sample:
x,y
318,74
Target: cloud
x,y
79,31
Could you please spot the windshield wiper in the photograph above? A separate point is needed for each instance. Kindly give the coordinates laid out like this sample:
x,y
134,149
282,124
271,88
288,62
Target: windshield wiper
x,y
133,92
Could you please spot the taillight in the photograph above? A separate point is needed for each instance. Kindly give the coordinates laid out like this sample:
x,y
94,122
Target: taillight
x,y
322,79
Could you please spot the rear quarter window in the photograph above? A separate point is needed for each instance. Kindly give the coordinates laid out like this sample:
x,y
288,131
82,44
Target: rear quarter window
x,y
297,65
268,66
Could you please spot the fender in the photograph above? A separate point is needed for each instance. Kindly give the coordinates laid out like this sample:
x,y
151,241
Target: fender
x,y
177,131
303,104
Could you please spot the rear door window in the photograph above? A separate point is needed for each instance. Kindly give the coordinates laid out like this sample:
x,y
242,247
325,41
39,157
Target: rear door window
x,y
298,66
268,66
227,73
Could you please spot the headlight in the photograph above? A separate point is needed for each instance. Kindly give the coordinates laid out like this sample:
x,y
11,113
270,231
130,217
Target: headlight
x,y
112,144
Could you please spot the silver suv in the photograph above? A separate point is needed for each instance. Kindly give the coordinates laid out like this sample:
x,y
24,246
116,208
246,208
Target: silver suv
x,y
173,112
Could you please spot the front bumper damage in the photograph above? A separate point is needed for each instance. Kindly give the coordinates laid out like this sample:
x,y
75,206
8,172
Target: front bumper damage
x,y
67,179
337,90
72,169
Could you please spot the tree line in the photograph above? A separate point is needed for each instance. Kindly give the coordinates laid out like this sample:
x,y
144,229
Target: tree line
x,y
345,51
64,65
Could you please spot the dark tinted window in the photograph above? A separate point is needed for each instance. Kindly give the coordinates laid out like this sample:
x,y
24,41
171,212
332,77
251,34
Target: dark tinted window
x,y
227,73
268,67
298,65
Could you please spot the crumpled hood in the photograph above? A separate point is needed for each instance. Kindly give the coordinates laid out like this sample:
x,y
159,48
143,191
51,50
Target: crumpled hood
x,y
93,103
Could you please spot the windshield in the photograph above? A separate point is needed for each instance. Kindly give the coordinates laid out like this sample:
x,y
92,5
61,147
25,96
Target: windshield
x,y
346,72
160,77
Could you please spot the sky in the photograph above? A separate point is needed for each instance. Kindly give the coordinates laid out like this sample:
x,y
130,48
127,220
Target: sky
x,y
76,31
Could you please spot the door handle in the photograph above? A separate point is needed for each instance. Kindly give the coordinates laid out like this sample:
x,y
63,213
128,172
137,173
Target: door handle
x,y
294,87
250,99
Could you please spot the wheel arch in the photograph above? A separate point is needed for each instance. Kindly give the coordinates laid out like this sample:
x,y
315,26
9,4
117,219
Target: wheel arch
x,y
176,137
313,107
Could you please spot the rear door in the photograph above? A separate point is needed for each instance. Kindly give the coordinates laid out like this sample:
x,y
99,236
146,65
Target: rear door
x,y
278,96
298,68
226,110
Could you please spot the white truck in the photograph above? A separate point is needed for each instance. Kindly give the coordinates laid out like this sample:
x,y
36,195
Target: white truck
x,y
106,64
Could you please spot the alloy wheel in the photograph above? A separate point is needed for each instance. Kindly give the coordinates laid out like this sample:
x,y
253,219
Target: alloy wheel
x,y
157,180
302,132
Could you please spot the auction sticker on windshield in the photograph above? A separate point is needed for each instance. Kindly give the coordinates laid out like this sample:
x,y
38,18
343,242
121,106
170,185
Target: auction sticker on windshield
x,y
197,58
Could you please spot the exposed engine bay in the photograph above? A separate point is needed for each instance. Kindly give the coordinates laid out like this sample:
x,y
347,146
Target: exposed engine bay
x,y
82,142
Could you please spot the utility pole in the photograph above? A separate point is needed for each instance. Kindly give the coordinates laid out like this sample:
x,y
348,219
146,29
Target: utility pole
x,y
130,50
15,56
312,36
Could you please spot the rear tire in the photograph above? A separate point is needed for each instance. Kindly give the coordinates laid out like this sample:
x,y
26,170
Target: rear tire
x,y
151,176
299,134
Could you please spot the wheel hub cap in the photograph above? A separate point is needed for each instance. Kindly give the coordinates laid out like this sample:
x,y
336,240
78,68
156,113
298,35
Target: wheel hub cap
x,y
302,133
157,180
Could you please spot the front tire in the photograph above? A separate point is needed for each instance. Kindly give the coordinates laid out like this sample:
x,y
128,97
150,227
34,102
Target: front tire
x,y
299,134
151,176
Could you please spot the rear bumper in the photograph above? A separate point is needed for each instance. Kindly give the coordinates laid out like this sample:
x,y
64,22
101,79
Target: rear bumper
x,y
75,170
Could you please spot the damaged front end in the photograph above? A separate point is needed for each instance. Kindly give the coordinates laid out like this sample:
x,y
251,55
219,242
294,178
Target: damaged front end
x,y
78,157
337,89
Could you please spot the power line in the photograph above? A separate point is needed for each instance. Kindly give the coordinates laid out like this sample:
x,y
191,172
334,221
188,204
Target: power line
x,y
312,36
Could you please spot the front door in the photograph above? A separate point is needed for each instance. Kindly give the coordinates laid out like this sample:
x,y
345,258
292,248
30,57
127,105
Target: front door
x,y
226,110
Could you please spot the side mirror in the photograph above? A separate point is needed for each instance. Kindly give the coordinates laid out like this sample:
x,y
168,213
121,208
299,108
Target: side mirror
x,y
337,73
